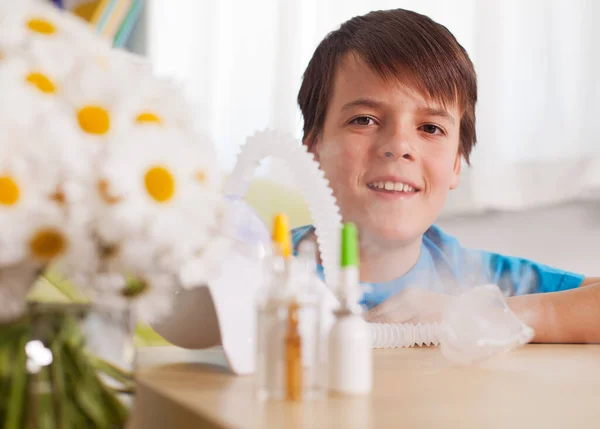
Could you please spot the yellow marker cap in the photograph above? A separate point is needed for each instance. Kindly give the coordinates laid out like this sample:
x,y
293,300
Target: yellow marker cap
x,y
281,235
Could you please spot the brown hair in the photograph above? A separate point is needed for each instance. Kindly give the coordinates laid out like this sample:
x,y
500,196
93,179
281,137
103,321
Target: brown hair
x,y
397,44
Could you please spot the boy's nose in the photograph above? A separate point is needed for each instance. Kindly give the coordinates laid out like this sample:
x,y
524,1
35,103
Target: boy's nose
x,y
391,155
396,151
397,144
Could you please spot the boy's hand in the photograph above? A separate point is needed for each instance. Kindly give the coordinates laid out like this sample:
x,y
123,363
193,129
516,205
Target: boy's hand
x,y
412,305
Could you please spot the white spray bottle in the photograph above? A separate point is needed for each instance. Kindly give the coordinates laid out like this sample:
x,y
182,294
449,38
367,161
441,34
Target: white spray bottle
x,y
350,367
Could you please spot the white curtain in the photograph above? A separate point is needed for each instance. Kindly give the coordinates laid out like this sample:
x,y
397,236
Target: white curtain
x,y
538,69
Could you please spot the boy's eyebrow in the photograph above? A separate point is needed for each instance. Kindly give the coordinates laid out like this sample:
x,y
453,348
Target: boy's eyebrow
x,y
362,102
433,111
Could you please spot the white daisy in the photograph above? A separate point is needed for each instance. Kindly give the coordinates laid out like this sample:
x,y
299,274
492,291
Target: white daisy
x,y
35,197
27,95
137,255
150,298
159,103
34,25
206,263
28,181
25,72
39,145
92,95
80,260
50,237
159,185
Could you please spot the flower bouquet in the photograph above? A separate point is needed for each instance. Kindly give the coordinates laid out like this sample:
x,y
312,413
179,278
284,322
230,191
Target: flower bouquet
x,y
105,179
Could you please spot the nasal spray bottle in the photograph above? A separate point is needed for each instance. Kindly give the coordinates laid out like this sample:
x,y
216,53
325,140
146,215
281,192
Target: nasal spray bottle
x,y
350,368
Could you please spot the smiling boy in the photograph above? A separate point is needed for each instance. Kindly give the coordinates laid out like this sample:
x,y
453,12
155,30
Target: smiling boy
x,y
388,102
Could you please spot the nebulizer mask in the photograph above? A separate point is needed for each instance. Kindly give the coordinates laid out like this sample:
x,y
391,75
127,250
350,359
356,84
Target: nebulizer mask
x,y
476,326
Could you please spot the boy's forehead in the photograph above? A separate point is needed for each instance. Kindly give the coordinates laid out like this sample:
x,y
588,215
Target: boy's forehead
x,y
355,79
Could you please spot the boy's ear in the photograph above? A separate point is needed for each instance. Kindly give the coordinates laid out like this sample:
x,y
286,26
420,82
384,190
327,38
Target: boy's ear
x,y
455,180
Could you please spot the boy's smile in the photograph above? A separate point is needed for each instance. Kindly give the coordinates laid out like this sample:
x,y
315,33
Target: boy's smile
x,y
391,155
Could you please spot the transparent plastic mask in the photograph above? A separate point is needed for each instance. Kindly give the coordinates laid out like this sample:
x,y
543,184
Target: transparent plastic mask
x,y
479,324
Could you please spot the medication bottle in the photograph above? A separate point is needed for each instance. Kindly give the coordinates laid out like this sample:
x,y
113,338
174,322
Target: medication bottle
x,y
350,366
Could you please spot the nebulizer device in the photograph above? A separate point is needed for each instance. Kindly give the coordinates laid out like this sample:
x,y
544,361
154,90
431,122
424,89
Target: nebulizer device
x,y
223,313
477,325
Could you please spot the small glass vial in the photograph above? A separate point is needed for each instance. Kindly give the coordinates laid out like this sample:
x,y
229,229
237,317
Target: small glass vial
x,y
289,313
270,324
310,319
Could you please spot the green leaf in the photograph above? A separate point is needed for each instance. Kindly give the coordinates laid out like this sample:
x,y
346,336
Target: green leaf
x,y
42,389
111,370
89,393
60,389
10,334
17,397
5,371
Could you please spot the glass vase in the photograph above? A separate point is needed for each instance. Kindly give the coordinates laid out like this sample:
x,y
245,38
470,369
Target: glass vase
x,y
67,366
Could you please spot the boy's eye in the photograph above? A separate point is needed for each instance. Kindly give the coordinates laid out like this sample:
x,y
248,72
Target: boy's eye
x,y
364,121
432,129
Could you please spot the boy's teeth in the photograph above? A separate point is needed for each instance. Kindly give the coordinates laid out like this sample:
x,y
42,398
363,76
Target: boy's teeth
x,y
391,186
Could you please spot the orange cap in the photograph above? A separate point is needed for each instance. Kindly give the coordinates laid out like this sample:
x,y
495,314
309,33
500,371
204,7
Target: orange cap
x,y
281,235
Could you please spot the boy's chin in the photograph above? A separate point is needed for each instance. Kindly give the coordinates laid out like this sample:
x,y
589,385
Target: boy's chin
x,y
392,234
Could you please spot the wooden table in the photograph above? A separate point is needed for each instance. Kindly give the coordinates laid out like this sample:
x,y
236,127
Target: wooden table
x,y
545,386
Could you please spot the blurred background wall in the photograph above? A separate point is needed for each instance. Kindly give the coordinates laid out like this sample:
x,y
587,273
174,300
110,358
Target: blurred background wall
x,y
534,184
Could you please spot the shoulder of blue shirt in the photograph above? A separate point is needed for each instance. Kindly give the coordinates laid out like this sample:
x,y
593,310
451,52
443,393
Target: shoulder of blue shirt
x,y
514,275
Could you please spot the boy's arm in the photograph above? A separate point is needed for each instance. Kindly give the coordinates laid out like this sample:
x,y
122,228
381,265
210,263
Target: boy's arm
x,y
571,316
590,281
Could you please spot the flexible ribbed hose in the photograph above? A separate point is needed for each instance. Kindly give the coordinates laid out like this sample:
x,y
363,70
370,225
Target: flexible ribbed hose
x,y
311,182
391,336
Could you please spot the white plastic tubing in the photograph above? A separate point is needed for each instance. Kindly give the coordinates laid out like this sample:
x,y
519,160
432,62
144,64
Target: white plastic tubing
x,y
390,336
326,218
311,181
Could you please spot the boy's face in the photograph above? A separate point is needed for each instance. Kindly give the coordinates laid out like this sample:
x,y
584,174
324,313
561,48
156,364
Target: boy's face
x,y
380,135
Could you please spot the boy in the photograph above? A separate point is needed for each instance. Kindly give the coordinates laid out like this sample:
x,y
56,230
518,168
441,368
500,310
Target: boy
x,y
388,102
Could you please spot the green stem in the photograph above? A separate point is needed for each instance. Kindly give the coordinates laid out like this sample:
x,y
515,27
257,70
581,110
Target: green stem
x,y
111,370
16,400
58,381
42,395
124,390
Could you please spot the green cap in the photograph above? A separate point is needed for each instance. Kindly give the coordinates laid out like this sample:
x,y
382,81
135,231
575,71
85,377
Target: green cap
x,y
349,245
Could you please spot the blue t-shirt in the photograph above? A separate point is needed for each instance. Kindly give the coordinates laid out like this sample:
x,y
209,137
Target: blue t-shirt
x,y
445,266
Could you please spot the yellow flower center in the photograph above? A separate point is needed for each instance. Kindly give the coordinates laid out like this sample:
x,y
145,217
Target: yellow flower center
x,y
9,191
58,196
148,118
160,184
200,176
104,191
42,82
42,26
94,120
47,243
109,251
103,61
